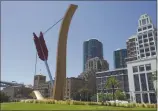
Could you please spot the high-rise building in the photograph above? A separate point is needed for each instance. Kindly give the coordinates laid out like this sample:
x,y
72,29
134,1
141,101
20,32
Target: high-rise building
x,y
92,48
131,48
141,69
119,58
146,37
96,64
143,44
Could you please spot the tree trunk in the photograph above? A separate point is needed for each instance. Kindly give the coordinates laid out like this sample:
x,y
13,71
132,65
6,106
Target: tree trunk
x,y
113,92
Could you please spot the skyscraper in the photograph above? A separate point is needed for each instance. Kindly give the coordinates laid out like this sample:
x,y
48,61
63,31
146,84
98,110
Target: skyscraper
x,y
92,48
143,44
140,71
119,58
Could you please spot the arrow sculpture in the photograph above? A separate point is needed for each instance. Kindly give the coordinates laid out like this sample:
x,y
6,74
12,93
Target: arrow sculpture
x,y
42,51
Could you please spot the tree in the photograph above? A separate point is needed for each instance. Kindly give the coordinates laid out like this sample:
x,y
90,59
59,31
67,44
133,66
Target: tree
x,y
85,94
3,97
120,95
112,83
94,97
32,95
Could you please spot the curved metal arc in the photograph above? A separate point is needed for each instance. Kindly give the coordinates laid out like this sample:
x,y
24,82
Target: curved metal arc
x,y
60,77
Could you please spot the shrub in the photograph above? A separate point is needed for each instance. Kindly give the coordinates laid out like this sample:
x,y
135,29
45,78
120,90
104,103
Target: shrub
x,y
78,103
68,102
102,103
144,105
133,104
92,103
125,105
35,101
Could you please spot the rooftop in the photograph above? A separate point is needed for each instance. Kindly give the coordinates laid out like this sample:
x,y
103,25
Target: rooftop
x,y
112,70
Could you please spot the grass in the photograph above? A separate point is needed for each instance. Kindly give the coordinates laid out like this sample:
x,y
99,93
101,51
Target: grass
x,y
33,106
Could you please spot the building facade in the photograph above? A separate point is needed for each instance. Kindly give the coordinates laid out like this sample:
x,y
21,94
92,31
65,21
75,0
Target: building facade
x,y
119,58
43,86
92,48
120,74
17,92
96,64
39,79
140,70
131,49
140,74
143,43
146,37
72,86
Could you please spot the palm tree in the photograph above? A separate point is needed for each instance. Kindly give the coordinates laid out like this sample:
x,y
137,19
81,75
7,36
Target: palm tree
x,y
112,83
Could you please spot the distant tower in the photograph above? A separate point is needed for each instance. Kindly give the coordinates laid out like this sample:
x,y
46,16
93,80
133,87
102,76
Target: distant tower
x,y
119,58
143,44
92,48
39,79
146,37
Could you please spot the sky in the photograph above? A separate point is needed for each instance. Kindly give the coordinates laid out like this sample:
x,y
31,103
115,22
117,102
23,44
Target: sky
x,y
110,22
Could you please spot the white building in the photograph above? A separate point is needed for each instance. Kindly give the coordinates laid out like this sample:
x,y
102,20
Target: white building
x,y
140,70
146,37
141,85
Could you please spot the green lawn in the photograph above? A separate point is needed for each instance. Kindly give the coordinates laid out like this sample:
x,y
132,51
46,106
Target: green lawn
x,y
32,106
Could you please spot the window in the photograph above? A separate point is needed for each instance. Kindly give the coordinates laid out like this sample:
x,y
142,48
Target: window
x,y
144,28
141,50
152,97
138,98
150,39
135,69
141,68
139,29
147,54
136,82
147,20
145,36
145,40
140,46
139,37
146,45
149,26
143,82
143,21
155,33
147,49
153,53
152,48
145,98
140,41
142,55
151,43
150,81
150,34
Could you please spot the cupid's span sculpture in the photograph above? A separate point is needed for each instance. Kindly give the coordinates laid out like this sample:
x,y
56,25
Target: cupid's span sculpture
x,y
60,76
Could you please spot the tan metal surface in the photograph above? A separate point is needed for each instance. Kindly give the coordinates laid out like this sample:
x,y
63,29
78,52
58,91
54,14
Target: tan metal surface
x,y
60,77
